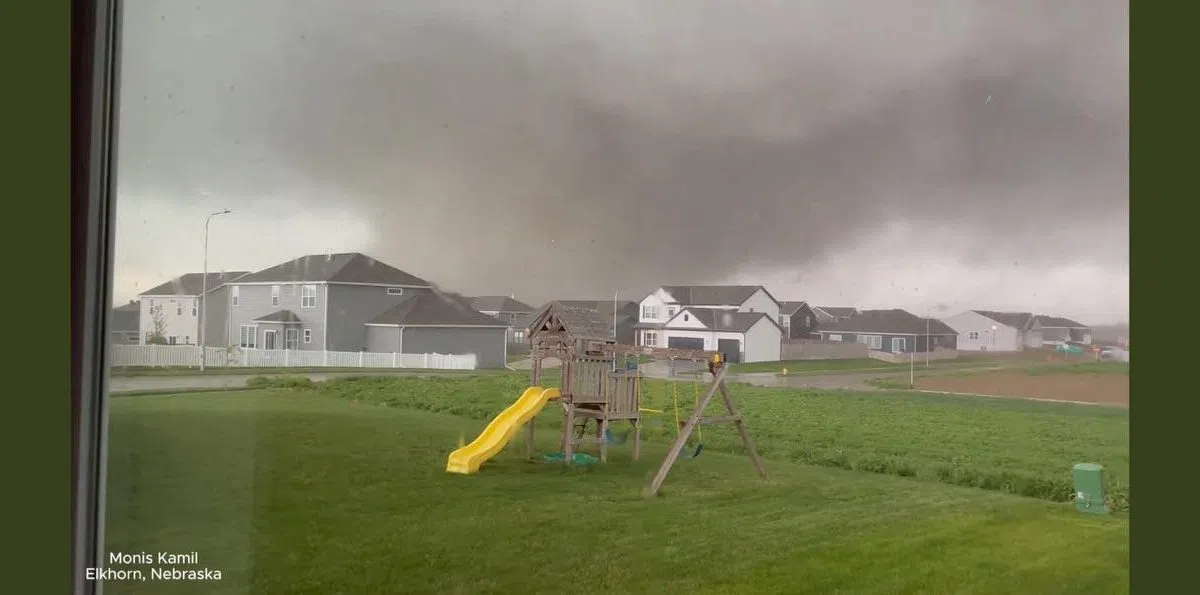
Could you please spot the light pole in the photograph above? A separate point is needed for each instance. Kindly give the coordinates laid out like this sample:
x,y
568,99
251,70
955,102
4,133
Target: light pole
x,y
204,286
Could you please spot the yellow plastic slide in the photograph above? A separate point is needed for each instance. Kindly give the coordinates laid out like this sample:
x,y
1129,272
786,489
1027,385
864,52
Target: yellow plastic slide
x,y
501,429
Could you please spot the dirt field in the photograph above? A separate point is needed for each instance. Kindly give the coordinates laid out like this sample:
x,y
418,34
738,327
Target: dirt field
x,y
1102,389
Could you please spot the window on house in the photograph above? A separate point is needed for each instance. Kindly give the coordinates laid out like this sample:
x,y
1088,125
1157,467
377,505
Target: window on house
x,y
808,321
395,291
835,338
686,317
249,336
973,335
187,340
650,312
783,320
171,340
179,310
650,339
872,341
235,293
193,309
274,295
308,296
291,338
899,344
308,335
671,311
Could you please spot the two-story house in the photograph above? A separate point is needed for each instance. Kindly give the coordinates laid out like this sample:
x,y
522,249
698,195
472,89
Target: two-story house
x,y
507,309
316,302
740,321
170,313
797,320
987,330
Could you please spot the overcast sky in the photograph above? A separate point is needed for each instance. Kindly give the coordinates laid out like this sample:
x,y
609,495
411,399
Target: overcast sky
x,y
928,155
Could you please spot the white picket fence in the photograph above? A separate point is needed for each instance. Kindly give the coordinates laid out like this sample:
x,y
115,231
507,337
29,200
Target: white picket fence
x,y
189,356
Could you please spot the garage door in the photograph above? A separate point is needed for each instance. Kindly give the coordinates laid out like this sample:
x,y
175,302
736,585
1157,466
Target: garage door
x,y
685,343
731,349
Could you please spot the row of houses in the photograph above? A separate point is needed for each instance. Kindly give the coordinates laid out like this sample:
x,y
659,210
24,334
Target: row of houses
x,y
352,302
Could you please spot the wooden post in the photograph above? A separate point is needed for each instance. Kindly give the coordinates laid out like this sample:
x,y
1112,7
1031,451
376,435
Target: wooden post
x,y
688,428
751,450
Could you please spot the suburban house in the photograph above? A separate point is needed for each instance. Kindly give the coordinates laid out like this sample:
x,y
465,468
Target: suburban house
x,y
316,302
123,328
725,318
505,308
626,316
1056,330
436,322
893,331
797,320
169,313
827,314
987,330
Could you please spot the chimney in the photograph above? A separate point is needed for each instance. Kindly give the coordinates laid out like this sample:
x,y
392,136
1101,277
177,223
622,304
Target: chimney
x,y
329,255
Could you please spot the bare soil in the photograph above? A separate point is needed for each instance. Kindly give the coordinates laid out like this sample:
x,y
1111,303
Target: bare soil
x,y
1101,389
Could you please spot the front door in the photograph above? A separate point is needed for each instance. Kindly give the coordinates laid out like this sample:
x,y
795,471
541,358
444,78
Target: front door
x,y
898,344
291,338
268,339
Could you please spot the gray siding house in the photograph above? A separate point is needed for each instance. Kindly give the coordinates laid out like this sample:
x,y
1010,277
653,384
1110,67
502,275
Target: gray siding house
x,y
317,302
436,322
123,324
797,320
893,331
507,309
1054,329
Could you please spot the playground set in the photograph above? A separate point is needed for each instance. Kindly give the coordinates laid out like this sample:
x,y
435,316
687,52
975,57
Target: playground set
x,y
594,388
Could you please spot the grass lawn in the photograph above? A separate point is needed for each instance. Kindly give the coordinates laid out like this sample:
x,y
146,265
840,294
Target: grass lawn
x,y
867,364
1032,369
304,490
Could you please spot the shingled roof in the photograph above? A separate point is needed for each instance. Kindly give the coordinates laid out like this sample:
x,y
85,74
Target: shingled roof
x,y
191,283
721,320
351,267
1017,320
281,316
789,308
581,323
436,309
888,322
831,313
1057,322
499,303
712,295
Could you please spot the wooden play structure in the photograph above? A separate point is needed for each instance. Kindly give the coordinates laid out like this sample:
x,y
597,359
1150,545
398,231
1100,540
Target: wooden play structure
x,y
594,387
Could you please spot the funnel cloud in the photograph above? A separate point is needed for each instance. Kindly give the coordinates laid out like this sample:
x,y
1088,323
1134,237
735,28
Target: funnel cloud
x,y
570,149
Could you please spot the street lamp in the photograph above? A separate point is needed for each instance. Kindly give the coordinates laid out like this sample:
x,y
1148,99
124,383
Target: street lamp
x,y
204,286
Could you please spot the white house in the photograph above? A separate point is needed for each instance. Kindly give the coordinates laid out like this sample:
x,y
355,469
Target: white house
x,y
171,309
726,318
985,330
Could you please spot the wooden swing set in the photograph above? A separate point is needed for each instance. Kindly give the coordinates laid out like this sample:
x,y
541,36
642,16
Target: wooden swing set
x,y
593,388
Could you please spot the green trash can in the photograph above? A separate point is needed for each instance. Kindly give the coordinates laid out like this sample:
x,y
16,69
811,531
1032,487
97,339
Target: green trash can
x,y
1089,488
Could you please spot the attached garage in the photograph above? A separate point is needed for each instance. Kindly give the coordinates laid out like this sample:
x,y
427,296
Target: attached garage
x,y
696,343
740,336
439,323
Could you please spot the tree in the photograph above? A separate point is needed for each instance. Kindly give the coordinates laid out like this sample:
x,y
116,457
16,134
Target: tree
x,y
158,335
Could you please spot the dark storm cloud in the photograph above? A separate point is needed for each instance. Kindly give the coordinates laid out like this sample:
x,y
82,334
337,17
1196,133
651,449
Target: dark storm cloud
x,y
625,144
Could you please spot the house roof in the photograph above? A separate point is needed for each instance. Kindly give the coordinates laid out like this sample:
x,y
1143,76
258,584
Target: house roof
x,y
191,283
601,306
351,267
125,318
1017,320
1057,322
499,303
284,316
435,308
789,308
582,323
826,313
732,322
712,295
893,322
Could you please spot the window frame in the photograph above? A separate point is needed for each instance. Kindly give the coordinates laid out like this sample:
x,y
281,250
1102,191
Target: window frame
x,y
252,343
310,300
274,295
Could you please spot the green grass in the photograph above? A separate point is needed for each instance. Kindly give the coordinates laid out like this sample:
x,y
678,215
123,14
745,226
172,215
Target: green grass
x,y
1088,368
867,364
291,491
